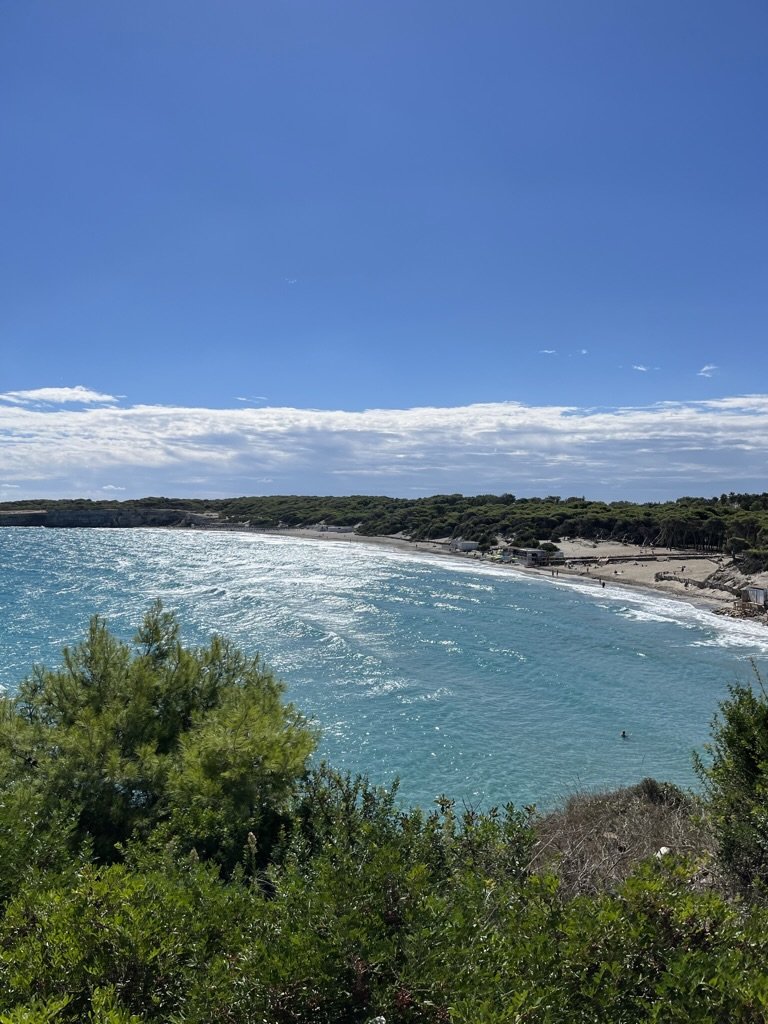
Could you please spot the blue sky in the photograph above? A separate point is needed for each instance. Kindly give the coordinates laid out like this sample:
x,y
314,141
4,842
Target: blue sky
x,y
332,246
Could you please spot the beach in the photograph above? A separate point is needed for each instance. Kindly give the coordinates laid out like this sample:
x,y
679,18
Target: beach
x,y
681,573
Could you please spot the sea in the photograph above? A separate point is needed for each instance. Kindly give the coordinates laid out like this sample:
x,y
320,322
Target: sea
x,y
471,681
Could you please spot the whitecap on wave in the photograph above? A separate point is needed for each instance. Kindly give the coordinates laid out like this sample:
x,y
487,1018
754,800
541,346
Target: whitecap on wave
x,y
643,615
441,691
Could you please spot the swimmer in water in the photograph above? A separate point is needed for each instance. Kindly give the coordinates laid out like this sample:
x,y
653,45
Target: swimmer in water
x,y
624,735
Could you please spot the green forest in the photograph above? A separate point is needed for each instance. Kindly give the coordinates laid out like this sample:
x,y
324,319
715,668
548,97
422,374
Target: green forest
x,y
172,851
734,524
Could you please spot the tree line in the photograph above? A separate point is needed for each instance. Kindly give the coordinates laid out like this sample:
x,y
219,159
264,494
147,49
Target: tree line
x,y
734,524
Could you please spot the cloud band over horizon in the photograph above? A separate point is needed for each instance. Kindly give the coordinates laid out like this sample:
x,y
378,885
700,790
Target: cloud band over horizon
x,y
645,452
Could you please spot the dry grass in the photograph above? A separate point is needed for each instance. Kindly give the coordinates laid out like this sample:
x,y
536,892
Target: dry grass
x,y
596,839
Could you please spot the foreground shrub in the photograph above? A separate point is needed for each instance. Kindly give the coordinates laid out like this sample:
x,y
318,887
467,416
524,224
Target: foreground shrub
x,y
735,776
384,936
194,747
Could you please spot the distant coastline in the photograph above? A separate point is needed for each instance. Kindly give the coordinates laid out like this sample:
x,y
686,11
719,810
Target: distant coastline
x,y
704,577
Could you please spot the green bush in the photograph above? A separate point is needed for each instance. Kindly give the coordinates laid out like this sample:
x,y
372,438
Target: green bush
x,y
735,777
754,560
193,747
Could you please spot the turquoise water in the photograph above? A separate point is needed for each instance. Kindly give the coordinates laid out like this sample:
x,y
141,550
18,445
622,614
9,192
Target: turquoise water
x,y
477,682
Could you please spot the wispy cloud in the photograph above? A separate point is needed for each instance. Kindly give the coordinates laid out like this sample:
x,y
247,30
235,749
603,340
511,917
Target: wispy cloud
x,y
57,396
638,366
707,371
661,450
548,351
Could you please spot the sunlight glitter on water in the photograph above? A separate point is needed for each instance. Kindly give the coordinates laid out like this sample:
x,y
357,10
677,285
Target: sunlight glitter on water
x,y
470,680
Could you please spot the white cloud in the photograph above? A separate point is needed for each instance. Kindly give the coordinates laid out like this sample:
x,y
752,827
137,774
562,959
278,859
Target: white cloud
x,y
642,369
660,450
583,352
57,396
707,371
548,351
112,487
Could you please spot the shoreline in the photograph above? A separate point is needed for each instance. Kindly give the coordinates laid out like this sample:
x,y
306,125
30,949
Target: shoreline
x,y
637,574
601,563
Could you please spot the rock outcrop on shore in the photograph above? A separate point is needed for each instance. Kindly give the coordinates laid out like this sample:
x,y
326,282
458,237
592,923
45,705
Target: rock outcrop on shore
x,y
731,578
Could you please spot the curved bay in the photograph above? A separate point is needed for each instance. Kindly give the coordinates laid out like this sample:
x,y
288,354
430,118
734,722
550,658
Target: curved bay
x,y
480,683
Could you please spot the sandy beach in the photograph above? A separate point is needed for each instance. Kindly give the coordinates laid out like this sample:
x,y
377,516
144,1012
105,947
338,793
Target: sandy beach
x,y
609,562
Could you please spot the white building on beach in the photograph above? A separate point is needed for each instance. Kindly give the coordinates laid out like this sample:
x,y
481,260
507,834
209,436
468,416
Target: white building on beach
x,y
458,544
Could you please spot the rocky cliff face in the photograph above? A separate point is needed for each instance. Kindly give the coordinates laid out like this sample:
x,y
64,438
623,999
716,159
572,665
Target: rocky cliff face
x,y
33,517
108,517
